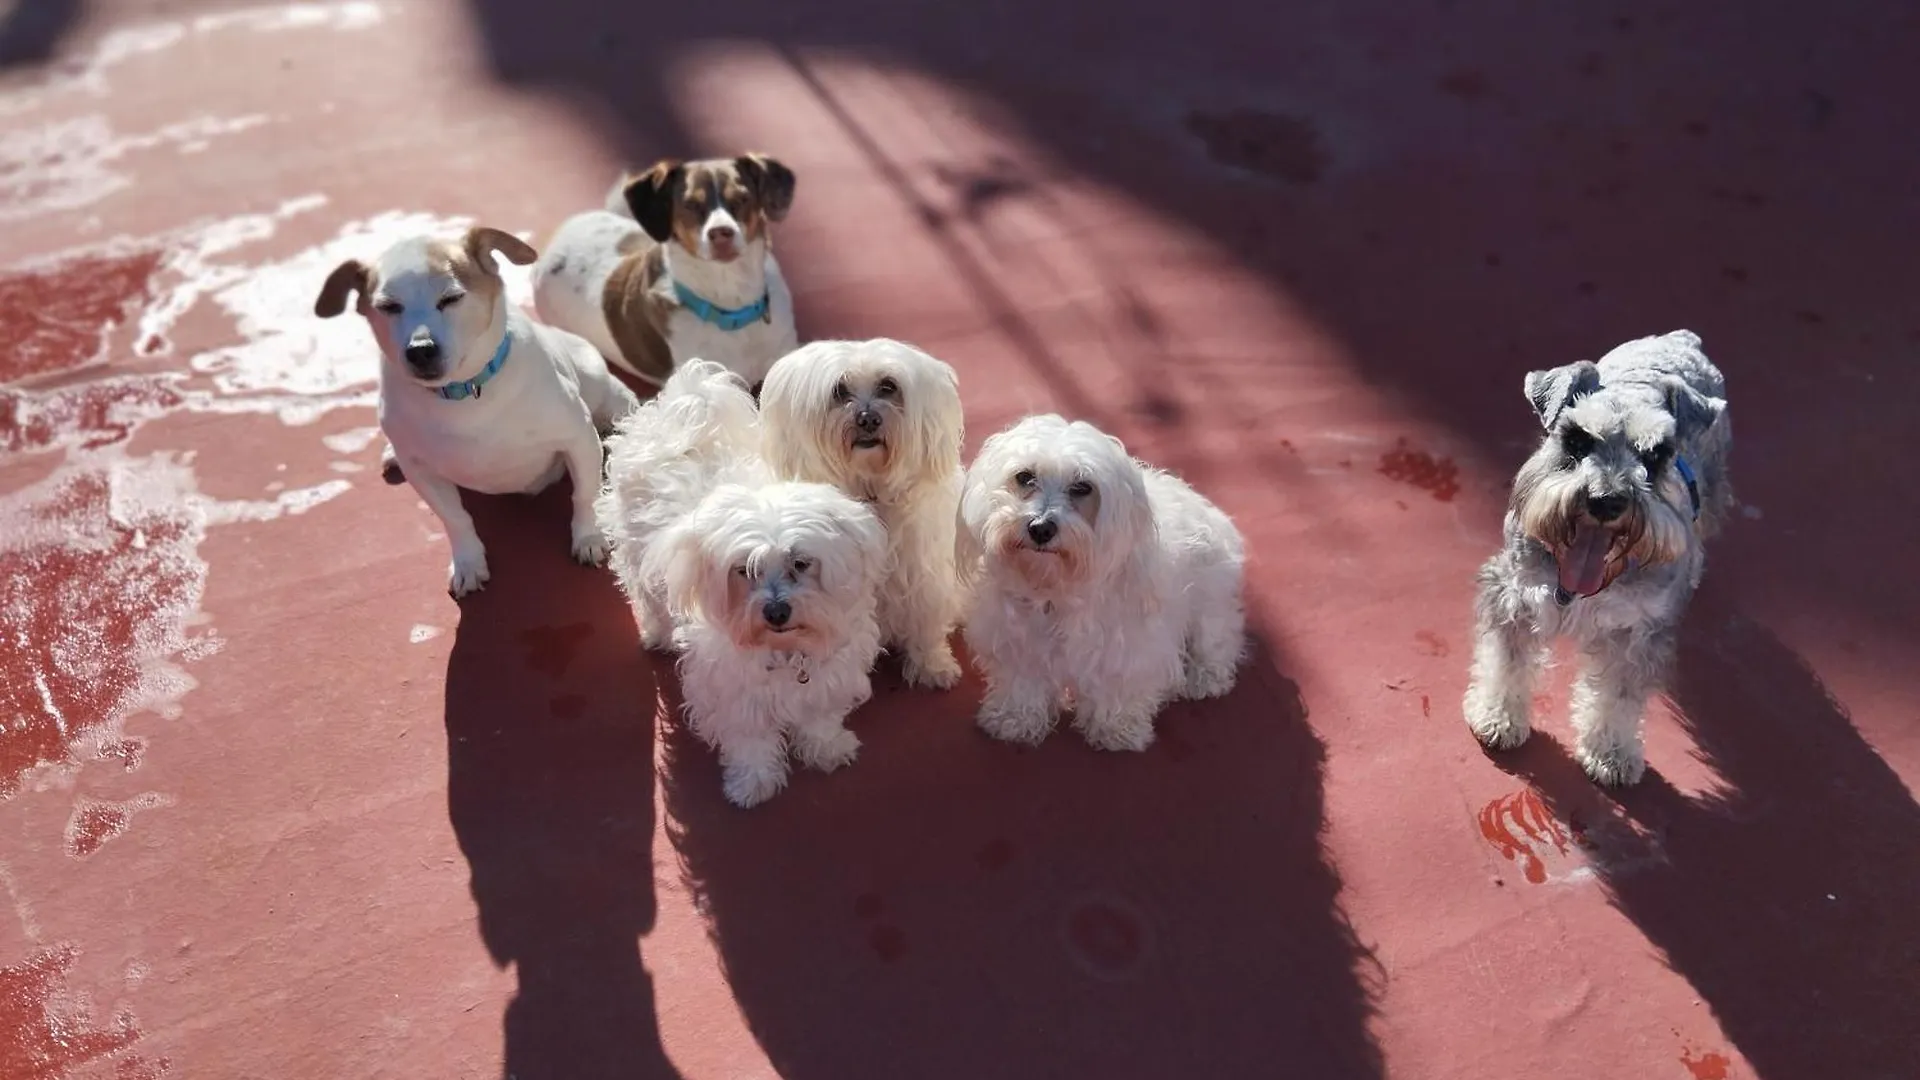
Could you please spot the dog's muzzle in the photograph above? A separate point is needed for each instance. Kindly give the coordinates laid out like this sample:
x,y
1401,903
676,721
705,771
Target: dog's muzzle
x,y
777,613
1042,531
866,429
423,355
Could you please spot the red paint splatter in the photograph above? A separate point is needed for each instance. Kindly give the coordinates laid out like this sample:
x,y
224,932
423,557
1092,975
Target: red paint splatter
x,y
57,317
95,822
1522,829
889,942
550,649
1705,1067
96,578
1430,643
1438,476
91,415
46,1032
1426,706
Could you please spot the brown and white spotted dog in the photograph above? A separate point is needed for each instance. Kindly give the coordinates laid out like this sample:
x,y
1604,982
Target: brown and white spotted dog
x,y
678,266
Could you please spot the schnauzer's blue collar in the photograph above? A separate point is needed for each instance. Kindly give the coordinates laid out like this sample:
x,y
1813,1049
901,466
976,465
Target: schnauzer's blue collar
x,y
470,388
1693,486
728,319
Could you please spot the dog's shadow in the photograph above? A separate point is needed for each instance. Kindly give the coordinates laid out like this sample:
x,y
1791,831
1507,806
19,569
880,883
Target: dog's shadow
x,y
550,760
1786,898
950,906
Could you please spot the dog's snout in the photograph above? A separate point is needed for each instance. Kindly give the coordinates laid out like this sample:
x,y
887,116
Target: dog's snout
x,y
867,420
722,234
1607,508
422,353
776,612
1041,531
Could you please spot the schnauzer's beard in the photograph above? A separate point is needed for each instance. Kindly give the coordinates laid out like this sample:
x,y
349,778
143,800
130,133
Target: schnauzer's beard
x,y
1062,566
1550,508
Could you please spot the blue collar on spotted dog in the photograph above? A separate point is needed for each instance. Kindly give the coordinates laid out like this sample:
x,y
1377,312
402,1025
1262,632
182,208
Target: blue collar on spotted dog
x,y
728,319
470,388
1693,487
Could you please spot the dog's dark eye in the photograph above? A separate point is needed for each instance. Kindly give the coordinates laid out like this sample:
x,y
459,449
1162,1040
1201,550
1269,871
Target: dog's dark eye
x,y
1656,458
740,571
840,392
1575,443
887,387
1024,478
386,305
449,300
1079,489
801,566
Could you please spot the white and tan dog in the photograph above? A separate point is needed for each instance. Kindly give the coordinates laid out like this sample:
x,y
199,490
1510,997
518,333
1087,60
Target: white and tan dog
x,y
881,421
679,265
768,589
473,394
1099,584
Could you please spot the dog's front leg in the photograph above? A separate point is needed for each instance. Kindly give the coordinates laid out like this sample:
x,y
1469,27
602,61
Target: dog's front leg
x,y
926,622
468,571
823,742
1500,688
1618,673
1114,716
583,459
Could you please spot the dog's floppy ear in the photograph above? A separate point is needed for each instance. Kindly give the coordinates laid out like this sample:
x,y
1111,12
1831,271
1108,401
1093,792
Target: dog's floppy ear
x,y
1693,412
970,516
650,197
1552,391
352,276
674,559
772,183
482,242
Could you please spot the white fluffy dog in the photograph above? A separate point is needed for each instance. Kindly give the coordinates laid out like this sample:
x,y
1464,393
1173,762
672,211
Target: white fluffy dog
x,y
769,590
881,421
1099,583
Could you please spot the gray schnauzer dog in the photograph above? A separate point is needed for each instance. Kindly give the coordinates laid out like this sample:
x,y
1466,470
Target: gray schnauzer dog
x,y
1605,544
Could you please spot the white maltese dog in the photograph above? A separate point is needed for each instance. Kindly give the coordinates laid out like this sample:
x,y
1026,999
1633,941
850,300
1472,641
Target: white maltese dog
x,y
880,420
1098,583
768,590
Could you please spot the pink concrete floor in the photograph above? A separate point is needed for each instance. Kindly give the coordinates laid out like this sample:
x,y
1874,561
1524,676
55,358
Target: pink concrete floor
x,y
273,806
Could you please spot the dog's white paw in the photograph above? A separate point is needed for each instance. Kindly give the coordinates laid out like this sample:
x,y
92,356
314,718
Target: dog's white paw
x,y
825,751
590,546
1120,731
1015,725
1208,682
1499,722
1612,766
467,574
750,785
937,669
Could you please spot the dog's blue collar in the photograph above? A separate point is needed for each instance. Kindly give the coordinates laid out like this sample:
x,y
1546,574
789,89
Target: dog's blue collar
x,y
728,319
1693,486
470,388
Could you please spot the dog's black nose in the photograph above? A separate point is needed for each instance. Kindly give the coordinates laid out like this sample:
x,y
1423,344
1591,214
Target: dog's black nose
x,y
421,353
1042,531
867,420
776,612
1607,507
721,234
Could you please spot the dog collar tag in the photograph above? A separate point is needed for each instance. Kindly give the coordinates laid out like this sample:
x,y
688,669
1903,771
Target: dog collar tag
x,y
803,677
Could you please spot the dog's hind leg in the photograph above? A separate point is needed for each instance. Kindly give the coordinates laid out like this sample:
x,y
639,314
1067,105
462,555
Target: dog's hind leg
x,y
583,463
1619,672
1215,644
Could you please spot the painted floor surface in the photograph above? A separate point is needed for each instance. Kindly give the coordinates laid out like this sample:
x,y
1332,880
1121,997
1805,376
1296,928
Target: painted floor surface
x,y
273,806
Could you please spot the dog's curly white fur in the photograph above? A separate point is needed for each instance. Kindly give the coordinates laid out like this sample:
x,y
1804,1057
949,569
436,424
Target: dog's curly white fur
x,y
767,589
1095,581
1605,544
881,421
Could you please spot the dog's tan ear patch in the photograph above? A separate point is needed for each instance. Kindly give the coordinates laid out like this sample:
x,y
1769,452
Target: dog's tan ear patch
x,y
650,196
483,241
352,276
772,183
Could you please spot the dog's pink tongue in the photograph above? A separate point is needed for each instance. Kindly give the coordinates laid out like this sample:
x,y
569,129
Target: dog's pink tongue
x,y
1583,565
